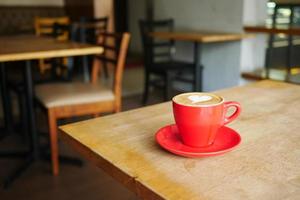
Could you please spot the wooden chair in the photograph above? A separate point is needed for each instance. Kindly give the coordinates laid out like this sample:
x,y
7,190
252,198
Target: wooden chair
x,y
63,100
159,59
44,26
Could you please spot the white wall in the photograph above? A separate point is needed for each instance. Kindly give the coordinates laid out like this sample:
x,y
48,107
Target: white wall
x,y
32,2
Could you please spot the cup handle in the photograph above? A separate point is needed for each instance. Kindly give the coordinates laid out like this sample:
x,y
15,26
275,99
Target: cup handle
x,y
236,113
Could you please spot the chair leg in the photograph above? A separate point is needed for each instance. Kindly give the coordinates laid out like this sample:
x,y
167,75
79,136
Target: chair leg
x,y
53,142
23,115
146,88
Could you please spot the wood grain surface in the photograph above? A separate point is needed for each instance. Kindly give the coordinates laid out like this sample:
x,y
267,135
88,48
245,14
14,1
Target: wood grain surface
x,y
204,37
29,47
264,166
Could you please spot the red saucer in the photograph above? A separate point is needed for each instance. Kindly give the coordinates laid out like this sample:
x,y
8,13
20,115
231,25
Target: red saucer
x,y
168,137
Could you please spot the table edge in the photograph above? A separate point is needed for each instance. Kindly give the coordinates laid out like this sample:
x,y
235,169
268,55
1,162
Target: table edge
x,y
51,54
131,183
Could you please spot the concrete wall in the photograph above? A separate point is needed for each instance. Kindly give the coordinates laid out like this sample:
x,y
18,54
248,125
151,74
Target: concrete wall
x,y
213,15
31,2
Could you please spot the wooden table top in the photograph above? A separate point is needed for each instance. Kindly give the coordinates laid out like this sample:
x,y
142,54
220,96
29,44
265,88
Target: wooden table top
x,y
203,37
265,29
265,165
30,47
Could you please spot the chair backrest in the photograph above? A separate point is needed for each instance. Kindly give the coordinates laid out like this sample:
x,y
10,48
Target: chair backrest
x,y
44,26
90,27
156,50
117,45
59,30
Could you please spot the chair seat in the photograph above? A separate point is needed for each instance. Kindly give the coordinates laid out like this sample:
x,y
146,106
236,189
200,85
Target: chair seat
x,y
62,94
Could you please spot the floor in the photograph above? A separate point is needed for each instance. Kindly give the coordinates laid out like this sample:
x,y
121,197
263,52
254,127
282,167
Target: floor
x,y
73,183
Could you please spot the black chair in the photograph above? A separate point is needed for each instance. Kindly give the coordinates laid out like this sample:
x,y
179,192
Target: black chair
x,y
159,60
73,34
89,29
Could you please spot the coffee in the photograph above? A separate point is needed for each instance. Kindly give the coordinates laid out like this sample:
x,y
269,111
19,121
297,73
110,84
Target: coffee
x,y
197,99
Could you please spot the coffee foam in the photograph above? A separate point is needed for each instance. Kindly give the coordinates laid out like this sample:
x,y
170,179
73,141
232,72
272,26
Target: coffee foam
x,y
197,99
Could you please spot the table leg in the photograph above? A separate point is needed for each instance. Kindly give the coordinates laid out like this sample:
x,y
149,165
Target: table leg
x,y
289,57
29,95
270,45
198,67
33,155
269,56
290,47
7,113
5,101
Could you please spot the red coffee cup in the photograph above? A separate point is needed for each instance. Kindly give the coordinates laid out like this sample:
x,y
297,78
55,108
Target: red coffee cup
x,y
198,125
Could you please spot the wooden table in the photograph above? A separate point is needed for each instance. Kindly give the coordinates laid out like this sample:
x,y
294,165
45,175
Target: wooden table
x,y
27,48
270,30
198,38
265,166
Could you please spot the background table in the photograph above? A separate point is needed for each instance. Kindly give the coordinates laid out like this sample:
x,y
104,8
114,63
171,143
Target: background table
x,y
30,47
272,31
264,166
27,48
198,38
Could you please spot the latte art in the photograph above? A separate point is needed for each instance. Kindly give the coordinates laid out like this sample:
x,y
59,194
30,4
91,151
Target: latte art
x,y
197,99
